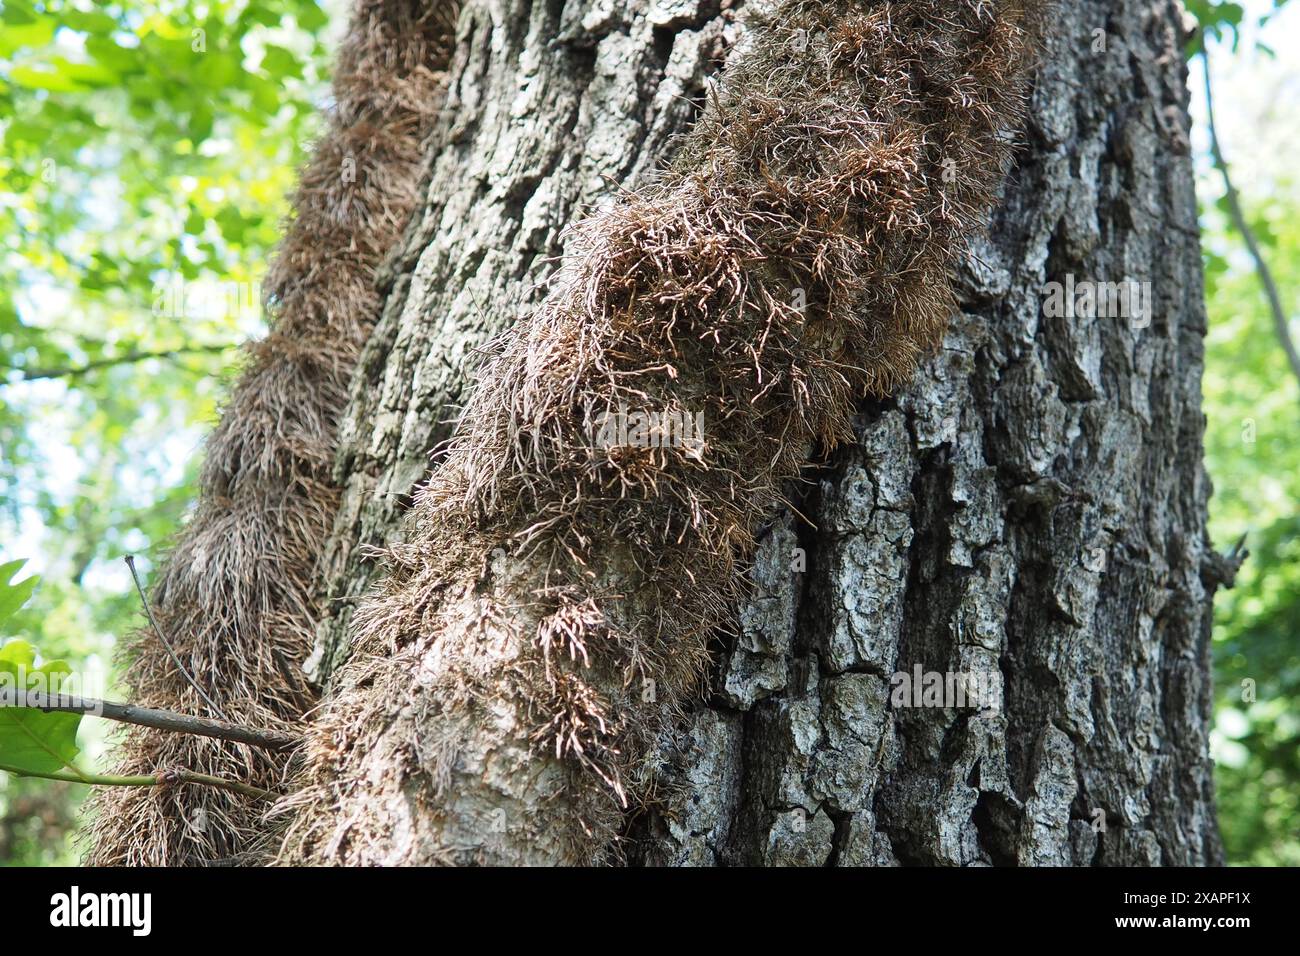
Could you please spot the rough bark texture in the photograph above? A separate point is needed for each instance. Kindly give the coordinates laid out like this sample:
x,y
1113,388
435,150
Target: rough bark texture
x,y
1034,504
552,108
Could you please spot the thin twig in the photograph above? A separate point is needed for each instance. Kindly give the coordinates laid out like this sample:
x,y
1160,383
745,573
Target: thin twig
x,y
149,717
1239,222
169,777
130,563
77,371
165,779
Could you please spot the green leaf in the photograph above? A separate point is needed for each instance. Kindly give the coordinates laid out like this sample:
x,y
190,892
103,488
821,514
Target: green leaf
x,y
31,740
279,62
13,596
310,16
61,75
28,36
201,121
118,59
214,70
42,77
266,95
266,17
17,13
194,221
92,22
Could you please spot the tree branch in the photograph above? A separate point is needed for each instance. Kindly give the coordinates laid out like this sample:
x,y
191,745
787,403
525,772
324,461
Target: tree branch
x,y
157,719
77,371
1239,222
164,779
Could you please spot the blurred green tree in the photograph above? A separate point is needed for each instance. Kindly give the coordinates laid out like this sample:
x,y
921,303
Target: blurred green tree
x,y
140,196
1252,400
1254,460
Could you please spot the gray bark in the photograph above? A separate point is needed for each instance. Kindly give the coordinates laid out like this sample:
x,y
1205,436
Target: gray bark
x,y
1032,506
550,109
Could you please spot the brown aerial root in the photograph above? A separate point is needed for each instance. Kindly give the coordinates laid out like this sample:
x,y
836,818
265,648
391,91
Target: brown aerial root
x,y
552,604
236,596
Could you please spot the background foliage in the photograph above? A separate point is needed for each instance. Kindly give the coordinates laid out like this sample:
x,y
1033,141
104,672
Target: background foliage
x,y
147,147
1252,402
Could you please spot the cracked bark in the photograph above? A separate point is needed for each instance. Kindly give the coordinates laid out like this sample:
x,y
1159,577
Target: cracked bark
x,y
1032,505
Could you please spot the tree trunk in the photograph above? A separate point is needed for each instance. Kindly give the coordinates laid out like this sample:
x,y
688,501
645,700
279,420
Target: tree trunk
x,y
1032,506
551,108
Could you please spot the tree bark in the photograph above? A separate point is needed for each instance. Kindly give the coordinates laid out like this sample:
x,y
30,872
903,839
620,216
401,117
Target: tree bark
x,y
552,108
1033,505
